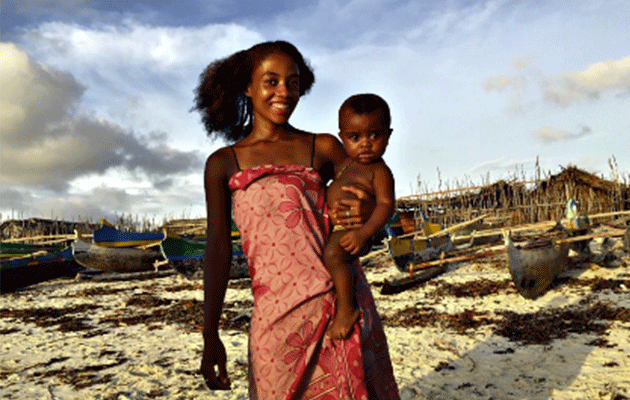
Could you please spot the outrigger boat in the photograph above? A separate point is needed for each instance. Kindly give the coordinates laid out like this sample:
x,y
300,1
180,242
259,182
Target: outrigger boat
x,y
108,236
426,244
186,257
15,250
536,264
35,266
114,259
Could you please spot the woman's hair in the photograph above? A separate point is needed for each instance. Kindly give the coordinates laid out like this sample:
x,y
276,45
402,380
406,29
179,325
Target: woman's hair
x,y
225,110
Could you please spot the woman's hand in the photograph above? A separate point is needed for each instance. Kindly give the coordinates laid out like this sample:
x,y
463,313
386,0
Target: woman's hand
x,y
214,355
351,213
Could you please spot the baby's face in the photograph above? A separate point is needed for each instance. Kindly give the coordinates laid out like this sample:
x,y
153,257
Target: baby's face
x,y
364,136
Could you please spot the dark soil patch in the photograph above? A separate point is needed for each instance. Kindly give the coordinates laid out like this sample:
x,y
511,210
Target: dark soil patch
x,y
540,327
546,325
185,312
597,284
443,365
64,318
102,291
147,300
189,286
601,342
80,378
244,283
477,288
426,316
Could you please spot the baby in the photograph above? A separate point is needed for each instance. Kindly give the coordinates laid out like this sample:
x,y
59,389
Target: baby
x,y
364,129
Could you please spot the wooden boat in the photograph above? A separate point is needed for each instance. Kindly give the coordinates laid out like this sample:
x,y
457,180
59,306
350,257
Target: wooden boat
x,y
187,257
14,250
536,264
108,236
407,250
114,259
38,266
426,244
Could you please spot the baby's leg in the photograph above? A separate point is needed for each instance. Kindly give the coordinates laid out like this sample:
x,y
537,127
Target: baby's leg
x,y
338,262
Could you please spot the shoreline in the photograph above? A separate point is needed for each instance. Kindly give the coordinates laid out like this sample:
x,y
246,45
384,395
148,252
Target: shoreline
x,y
465,334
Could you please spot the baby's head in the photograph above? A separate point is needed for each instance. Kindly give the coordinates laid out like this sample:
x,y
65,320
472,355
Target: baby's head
x,y
364,127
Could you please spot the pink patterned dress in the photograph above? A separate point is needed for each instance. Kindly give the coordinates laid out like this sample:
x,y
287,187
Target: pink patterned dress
x,y
280,212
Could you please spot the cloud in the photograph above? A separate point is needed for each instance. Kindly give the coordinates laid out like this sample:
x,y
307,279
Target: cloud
x,y
46,143
10,197
548,134
590,83
139,76
497,83
33,95
153,49
565,88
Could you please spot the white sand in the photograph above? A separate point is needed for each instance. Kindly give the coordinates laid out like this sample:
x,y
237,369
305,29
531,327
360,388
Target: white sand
x,y
113,357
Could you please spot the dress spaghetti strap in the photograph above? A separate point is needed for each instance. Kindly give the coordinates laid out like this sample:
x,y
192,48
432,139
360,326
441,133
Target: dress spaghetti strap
x,y
238,167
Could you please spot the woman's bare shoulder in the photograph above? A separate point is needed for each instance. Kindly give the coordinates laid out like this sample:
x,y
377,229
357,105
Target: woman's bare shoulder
x,y
329,146
220,162
326,139
220,155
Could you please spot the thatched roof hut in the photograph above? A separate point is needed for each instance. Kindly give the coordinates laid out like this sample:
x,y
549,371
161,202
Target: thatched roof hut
x,y
31,227
522,201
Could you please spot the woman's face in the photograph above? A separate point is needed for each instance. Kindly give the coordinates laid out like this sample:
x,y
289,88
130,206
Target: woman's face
x,y
274,89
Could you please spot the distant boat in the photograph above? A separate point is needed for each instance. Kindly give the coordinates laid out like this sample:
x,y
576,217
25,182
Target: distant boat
x,y
114,259
536,264
406,250
38,266
13,250
187,257
108,236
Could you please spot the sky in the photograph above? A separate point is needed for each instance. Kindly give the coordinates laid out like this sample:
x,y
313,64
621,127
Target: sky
x,y
96,96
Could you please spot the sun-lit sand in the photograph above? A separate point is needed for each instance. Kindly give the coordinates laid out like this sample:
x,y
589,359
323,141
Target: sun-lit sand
x,y
466,334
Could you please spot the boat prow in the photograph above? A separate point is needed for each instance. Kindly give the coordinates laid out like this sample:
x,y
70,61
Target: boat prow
x,y
535,265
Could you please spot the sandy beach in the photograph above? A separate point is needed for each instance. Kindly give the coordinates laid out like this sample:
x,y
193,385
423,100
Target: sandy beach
x,y
466,334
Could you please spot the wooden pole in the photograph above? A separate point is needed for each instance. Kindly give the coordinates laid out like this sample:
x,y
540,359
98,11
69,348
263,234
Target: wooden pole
x,y
591,236
458,226
374,253
413,267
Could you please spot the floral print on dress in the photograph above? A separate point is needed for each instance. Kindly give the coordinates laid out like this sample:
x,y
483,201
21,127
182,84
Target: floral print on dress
x,y
280,212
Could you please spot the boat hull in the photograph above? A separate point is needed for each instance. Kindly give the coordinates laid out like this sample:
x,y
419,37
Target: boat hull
x,y
25,271
186,257
407,250
114,259
108,236
533,267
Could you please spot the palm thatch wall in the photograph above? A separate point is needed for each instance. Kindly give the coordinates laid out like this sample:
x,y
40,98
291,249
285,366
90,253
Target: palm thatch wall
x,y
34,227
518,202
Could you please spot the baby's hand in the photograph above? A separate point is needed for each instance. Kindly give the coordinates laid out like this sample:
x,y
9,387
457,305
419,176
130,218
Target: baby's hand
x,y
352,242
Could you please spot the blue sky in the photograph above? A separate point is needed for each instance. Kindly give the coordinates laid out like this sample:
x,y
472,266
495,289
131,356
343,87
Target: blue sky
x,y
96,95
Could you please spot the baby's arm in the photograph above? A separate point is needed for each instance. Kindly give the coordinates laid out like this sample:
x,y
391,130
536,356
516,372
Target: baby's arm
x,y
383,183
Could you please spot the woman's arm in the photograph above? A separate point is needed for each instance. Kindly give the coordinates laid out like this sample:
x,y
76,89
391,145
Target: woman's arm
x,y
217,263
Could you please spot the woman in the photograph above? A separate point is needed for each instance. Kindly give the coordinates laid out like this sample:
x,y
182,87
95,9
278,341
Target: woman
x,y
273,181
